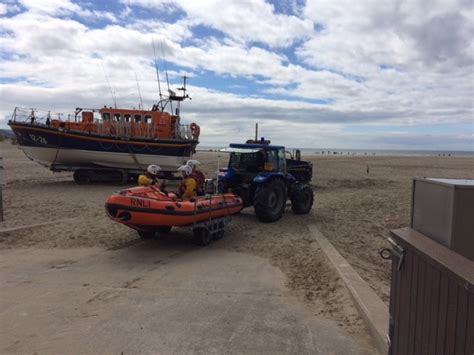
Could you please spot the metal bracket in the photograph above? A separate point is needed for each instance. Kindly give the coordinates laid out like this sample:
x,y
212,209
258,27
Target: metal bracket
x,y
398,251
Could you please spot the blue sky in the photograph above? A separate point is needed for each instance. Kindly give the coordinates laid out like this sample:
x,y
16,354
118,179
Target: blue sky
x,y
336,74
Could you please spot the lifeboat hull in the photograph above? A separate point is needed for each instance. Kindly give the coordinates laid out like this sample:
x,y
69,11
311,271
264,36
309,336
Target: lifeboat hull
x,y
145,208
60,150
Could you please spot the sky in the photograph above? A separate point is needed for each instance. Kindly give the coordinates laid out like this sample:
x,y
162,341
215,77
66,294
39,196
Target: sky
x,y
365,74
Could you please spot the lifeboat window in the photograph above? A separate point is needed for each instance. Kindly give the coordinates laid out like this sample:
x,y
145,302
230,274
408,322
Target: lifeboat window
x,y
127,117
106,116
138,118
147,119
117,117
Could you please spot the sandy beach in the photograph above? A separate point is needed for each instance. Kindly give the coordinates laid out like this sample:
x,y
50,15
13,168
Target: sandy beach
x,y
354,209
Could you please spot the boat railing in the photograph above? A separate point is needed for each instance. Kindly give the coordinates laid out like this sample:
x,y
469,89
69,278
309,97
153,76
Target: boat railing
x,y
185,132
34,116
121,129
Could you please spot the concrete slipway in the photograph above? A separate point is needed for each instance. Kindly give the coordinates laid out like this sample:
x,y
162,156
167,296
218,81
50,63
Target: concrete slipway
x,y
150,298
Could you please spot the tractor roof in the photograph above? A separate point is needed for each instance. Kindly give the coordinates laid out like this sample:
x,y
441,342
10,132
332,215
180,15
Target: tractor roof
x,y
256,146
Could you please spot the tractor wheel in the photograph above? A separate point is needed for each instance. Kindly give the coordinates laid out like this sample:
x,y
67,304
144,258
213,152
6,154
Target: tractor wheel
x,y
202,236
146,234
270,201
302,199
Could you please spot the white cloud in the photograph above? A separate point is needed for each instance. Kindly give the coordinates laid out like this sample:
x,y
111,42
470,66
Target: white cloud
x,y
3,9
64,7
50,7
243,21
361,35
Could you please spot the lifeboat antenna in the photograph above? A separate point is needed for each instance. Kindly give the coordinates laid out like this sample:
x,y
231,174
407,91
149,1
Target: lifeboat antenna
x,y
139,92
114,98
170,92
183,88
157,74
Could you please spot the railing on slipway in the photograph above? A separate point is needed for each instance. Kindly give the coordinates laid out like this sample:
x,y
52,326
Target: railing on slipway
x,y
114,129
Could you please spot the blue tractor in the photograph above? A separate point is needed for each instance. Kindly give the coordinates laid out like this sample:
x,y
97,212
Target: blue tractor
x,y
265,178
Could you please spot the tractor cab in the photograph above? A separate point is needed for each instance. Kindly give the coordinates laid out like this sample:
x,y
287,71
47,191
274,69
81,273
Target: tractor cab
x,y
258,173
255,158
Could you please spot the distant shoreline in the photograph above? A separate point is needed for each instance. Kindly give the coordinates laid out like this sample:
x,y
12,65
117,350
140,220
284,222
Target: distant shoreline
x,y
368,152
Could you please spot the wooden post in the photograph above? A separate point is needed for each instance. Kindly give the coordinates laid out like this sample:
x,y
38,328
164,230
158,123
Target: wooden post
x,y
2,184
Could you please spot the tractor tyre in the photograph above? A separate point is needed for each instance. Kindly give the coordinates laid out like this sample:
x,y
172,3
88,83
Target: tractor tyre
x,y
302,199
270,201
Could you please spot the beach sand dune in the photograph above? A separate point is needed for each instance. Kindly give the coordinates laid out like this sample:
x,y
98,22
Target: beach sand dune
x,y
354,209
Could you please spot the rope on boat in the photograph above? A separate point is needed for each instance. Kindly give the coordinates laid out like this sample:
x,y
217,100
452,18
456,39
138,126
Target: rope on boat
x,y
57,150
195,208
226,205
133,157
210,208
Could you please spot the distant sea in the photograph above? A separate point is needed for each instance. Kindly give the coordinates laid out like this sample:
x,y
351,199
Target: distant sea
x,y
385,152
381,152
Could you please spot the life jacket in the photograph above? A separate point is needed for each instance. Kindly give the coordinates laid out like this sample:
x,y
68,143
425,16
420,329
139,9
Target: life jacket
x,y
200,179
146,180
188,187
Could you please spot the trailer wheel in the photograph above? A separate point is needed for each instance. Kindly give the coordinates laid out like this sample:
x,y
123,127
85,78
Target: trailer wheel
x,y
302,199
220,233
202,236
270,200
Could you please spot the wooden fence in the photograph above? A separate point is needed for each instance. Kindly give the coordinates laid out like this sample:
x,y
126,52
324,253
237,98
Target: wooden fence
x,y
431,299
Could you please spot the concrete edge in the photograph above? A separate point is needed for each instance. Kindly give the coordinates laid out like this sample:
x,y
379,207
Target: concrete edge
x,y
13,229
371,308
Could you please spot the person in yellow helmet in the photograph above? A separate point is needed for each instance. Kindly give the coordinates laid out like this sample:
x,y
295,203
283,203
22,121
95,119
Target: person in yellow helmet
x,y
188,187
150,177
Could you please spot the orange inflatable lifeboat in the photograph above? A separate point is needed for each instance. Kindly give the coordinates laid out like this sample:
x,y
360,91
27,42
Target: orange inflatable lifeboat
x,y
148,209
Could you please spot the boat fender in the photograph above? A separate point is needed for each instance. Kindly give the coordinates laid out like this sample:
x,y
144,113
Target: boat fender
x,y
195,130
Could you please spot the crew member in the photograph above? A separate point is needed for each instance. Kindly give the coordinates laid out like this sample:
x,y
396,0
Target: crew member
x,y
150,177
188,187
197,175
